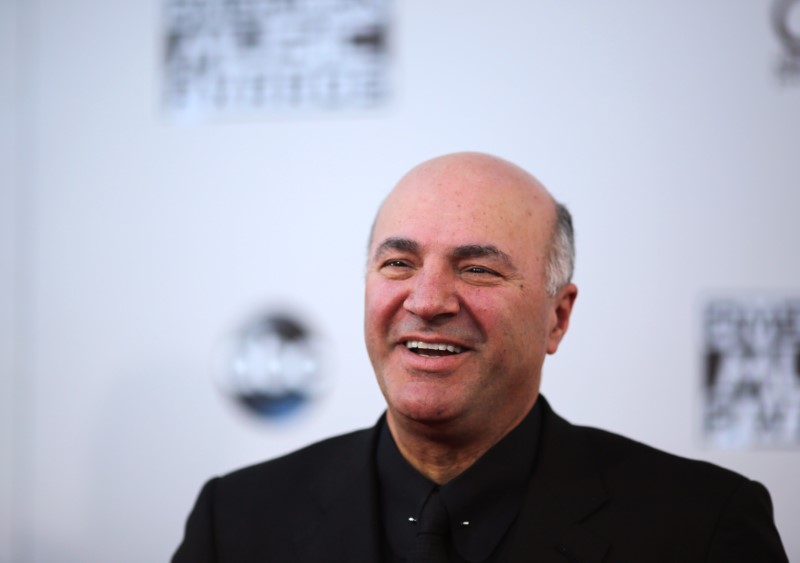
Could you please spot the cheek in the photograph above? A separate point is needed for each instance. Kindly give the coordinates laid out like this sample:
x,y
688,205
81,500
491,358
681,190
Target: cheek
x,y
375,300
496,313
381,301
519,322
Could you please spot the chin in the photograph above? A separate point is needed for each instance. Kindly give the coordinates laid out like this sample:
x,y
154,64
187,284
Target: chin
x,y
425,409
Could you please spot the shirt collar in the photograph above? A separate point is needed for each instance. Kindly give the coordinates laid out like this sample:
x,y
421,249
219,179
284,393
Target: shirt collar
x,y
482,502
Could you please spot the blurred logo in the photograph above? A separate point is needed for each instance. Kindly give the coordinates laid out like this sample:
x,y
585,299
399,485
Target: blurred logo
x,y
229,58
752,372
273,366
786,23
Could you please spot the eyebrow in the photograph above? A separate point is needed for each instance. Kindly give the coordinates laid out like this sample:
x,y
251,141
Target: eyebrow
x,y
462,252
483,251
396,243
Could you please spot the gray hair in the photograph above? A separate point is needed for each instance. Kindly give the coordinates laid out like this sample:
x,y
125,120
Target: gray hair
x,y
561,254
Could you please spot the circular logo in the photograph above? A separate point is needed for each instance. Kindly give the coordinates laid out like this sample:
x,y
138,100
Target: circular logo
x,y
273,366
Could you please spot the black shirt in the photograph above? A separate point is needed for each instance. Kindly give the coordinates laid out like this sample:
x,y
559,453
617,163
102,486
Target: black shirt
x,y
482,502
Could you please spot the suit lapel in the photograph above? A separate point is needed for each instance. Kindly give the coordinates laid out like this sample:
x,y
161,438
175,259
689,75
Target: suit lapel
x,y
566,488
344,520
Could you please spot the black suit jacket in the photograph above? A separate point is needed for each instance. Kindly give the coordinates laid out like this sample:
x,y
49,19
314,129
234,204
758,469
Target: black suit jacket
x,y
594,496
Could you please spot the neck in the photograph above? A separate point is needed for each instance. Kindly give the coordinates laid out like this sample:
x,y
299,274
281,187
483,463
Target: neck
x,y
442,452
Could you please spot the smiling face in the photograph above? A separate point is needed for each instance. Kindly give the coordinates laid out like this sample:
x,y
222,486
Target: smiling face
x,y
457,317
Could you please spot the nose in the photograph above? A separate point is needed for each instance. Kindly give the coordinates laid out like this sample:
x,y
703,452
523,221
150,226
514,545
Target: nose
x,y
433,293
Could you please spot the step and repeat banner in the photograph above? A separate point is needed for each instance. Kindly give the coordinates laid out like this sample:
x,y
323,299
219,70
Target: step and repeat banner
x,y
201,177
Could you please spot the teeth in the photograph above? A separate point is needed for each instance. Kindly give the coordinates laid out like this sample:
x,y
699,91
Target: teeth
x,y
433,346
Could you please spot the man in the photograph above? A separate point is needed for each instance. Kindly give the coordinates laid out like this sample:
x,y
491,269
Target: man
x,y
467,290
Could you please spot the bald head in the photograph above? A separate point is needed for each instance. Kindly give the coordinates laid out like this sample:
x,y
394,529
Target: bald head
x,y
474,170
490,180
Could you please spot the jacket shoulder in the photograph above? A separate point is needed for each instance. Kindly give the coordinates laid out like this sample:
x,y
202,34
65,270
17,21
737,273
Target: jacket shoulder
x,y
658,502
271,509
632,463
304,465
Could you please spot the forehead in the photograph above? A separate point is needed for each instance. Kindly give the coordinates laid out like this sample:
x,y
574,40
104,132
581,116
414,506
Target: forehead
x,y
468,200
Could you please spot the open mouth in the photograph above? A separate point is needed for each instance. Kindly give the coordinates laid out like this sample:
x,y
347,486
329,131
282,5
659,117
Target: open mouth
x,y
432,349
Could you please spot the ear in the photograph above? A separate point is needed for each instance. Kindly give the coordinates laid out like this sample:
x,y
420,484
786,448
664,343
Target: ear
x,y
561,312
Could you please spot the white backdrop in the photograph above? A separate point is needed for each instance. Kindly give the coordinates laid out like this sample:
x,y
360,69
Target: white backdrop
x,y
135,246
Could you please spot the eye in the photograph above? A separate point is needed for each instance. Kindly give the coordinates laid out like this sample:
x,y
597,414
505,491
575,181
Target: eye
x,y
395,264
480,270
396,269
